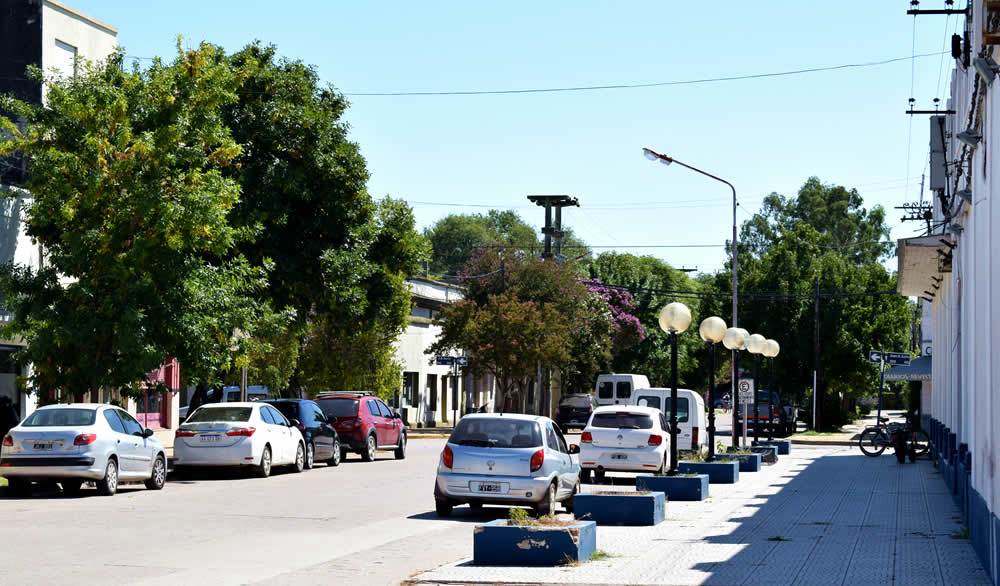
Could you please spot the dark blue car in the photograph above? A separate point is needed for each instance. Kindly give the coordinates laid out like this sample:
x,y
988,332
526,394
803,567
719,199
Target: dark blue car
x,y
322,441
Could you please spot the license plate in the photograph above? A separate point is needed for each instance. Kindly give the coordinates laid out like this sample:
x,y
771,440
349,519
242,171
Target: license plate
x,y
43,446
208,438
491,487
619,456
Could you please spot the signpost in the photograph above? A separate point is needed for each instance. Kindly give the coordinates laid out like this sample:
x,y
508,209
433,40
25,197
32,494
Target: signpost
x,y
454,362
883,358
745,394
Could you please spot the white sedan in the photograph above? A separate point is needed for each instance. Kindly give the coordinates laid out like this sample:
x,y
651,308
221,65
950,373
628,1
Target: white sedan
x,y
623,438
239,434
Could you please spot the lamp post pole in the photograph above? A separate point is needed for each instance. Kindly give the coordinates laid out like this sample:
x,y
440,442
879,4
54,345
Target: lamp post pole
x,y
757,345
735,339
770,383
712,330
674,318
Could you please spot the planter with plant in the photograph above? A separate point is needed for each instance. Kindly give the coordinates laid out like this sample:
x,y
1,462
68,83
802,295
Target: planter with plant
x,y
522,540
621,508
718,471
746,460
680,487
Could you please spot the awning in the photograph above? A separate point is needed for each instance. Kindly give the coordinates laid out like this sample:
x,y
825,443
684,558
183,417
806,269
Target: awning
x,y
918,369
920,259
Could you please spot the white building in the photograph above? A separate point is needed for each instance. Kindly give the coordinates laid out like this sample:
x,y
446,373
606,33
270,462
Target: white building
x,y
48,34
957,270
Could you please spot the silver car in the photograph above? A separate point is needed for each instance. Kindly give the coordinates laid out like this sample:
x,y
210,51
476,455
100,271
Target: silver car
x,y
78,442
506,459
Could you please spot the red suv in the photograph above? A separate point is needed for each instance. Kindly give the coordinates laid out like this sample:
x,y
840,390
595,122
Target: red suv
x,y
364,423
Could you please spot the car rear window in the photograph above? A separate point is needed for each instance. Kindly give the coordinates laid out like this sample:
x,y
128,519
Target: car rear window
x,y
622,420
579,401
496,432
204,414
606,390
654,402
623,390
339,407
289,410
60,418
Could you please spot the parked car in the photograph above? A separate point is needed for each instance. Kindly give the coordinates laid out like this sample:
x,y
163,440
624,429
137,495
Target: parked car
x,y
365,424
506,459
239,434
81,442
692,421
623,438
322,440
574,410
774,412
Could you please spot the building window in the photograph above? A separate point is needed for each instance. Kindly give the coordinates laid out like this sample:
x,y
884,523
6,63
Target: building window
x,y
65,59
410,390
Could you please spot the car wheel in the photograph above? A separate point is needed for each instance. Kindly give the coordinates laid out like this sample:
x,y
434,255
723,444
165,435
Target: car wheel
x,y
71,487
663,466
343,454
401,448
159,476
108,485
599,476
548,504
568,503
338,454
264,468
585,475
368,455
310,456
442,508
19,487
300,459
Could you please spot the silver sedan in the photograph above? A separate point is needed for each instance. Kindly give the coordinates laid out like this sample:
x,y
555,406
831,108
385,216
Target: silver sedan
x,y
78,442
507,459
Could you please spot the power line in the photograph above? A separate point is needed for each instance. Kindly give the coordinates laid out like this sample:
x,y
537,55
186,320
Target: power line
x,y
644,85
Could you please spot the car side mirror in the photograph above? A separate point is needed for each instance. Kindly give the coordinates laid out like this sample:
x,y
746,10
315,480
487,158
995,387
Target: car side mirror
x,y
396,415
147,432
294,423
574,449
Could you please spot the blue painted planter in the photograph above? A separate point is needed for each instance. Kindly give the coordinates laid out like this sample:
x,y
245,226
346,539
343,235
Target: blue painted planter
x,y
718,472
675,488
498,544
784,446
621,508
747,462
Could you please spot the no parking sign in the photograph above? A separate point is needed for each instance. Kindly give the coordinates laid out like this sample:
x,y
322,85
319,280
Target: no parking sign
x,y
745,389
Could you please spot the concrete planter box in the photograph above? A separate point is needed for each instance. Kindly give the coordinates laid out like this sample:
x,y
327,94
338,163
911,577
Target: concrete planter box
x,y
769,454
498,544
620,508
718,472
675,488
747,462
784,446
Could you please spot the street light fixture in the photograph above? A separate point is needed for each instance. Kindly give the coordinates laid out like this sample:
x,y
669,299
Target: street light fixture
x,y
674,319
771,350
712,331
756,344
655,156
735,340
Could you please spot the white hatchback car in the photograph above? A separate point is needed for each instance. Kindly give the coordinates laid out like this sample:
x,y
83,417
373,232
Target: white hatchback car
x,y
623,438
239,434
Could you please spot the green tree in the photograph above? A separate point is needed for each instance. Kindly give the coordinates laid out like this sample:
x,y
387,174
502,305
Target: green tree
x,y
455,237
127,172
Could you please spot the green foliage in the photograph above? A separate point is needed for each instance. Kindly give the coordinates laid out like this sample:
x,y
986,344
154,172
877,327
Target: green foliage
x,y
455,237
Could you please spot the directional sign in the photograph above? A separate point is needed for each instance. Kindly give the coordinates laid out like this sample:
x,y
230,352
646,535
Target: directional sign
x,y
875,356
462,360
745,389
444,360
897,358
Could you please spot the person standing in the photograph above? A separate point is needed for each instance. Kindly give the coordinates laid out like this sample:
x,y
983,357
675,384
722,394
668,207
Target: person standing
x,y
8,417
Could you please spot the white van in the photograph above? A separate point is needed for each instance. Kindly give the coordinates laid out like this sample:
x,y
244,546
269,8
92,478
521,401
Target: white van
x,y
618,389
692,422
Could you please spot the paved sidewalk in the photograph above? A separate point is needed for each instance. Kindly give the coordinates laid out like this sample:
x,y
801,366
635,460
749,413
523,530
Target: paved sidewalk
x,y
823,515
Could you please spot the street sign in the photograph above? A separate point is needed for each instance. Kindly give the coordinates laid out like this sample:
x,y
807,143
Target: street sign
x,y
462,360
897,358
745,389
444,360
875,356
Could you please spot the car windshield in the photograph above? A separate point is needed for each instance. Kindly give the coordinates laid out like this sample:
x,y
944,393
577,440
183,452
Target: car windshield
x,y
575,401
60,418
496,432
764,396
339,407
622,420
204,414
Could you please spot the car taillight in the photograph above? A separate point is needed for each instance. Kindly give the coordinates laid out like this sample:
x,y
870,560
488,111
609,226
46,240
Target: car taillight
x,y
358,422
85,439
537,459
655,440
184,433
586,438
776,412
302,427
242,431
447,457
8,441
694,436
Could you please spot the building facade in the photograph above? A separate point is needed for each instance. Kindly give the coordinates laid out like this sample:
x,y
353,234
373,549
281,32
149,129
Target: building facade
x,y
956,271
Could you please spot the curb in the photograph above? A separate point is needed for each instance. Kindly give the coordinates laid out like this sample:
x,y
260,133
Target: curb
x,y
824,442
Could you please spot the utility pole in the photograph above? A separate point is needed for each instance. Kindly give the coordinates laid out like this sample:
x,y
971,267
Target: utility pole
x,y
817,396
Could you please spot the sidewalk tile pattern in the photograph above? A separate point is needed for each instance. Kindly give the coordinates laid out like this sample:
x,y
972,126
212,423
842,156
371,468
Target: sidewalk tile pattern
x,y
822,515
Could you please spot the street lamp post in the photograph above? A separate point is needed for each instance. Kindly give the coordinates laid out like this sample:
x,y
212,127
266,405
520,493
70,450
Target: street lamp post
x,y
674,319
770,351
712,330
735,340
756,344
655,156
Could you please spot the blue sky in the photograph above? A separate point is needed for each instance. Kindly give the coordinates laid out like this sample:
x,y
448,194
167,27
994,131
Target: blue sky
x,y
463,154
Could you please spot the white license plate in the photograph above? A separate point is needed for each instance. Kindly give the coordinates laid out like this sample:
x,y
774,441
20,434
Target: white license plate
x,y
619,456
208,438
490,487
43,446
